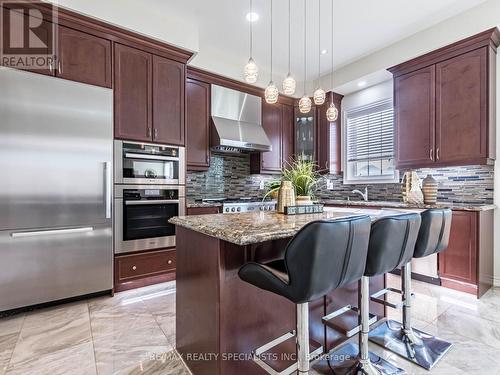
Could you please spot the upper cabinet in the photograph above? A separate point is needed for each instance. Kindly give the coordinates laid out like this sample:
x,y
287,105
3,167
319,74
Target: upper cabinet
x,y
445,105
197,125
168,101
149,97
328,141
84,58
415,93
133,80
277,123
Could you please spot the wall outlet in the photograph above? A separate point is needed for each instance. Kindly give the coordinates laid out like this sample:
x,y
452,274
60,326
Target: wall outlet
x,y
262,185
329,185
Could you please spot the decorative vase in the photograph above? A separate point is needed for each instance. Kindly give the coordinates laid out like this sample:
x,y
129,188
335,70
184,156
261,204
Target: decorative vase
x,y
430,188
411,188
304,200
286,196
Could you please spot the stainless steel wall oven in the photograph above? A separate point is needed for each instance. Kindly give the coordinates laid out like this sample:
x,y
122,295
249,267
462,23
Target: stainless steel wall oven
x,y
142,213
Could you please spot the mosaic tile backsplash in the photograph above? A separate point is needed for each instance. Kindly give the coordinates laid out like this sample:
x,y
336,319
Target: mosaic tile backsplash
x,y
229,176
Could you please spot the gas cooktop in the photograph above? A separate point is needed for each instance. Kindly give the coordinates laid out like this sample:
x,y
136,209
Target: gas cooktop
x,y
243,204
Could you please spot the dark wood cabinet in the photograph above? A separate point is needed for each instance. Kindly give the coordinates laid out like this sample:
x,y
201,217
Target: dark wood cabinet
x,y
461,111
271,122
277,121
133,79
414,134
84,57
445,105
141,269
197,125
168,101
467,263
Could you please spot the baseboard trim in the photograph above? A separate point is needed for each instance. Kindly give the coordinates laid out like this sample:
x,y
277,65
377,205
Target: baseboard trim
x,y
496,281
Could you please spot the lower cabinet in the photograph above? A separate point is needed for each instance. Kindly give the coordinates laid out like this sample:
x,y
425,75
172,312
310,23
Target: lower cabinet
x,y
467,263
141,269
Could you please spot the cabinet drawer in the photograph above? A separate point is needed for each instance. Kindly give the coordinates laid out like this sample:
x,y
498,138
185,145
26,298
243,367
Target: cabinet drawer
x,y
130,267
203,210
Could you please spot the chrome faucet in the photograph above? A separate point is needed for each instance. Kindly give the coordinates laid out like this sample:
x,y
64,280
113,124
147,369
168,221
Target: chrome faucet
x,y
364,195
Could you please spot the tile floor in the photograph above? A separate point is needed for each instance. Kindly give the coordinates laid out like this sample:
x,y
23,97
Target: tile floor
x,y
134,333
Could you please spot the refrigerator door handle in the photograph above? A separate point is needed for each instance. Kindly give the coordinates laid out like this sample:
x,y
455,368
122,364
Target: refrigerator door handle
x,y
107,188
51,232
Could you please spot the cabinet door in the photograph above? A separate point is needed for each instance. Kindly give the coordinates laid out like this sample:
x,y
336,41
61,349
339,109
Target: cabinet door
x,y
84,57
133,77
305,129
287,133
461,107
328,145
168,101
459,261
198,125
271,121
414,100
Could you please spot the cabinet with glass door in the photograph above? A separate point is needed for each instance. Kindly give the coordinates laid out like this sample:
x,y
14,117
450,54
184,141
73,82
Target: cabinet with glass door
x,y
305,134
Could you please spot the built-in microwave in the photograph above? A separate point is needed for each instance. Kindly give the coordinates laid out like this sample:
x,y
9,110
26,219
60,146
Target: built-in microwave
x,y
142,213
143,163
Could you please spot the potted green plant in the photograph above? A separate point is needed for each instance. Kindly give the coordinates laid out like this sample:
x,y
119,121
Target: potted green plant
x,y
304,177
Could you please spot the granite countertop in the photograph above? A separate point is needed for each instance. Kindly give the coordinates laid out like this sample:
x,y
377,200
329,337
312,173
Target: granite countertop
x,y
453,206
255,227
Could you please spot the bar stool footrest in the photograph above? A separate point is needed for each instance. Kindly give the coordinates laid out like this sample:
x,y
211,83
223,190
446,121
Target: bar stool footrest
x,y
263,355
375,298
348,325
390,335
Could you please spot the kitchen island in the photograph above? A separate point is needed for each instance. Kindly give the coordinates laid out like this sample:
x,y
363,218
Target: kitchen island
x,y
221,319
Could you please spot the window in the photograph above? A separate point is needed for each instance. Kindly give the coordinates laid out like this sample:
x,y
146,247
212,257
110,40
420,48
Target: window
x,y
369,144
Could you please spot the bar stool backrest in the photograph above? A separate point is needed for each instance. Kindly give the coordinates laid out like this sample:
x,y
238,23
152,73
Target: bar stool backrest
x,y
434,233
326,255
392,243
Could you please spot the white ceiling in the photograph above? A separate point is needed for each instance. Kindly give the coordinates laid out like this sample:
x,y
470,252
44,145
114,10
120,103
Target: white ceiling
x,y
361,27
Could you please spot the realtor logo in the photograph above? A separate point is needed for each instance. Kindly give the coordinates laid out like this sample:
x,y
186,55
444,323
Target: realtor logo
x,y
28,35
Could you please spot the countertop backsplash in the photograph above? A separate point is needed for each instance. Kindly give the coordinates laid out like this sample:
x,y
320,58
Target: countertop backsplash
x,y
469,184
229,176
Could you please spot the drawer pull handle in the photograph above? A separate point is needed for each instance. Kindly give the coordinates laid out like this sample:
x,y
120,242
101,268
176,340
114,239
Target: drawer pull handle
x,y
169,262
134,268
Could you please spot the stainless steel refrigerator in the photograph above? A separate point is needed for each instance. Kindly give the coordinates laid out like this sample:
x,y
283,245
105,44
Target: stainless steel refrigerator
x,y
56,150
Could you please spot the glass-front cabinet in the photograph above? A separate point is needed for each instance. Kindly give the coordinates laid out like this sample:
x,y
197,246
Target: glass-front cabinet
x,y
305,134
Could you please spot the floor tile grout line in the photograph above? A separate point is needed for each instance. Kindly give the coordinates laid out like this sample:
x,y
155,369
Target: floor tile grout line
x,y
17,342
92,338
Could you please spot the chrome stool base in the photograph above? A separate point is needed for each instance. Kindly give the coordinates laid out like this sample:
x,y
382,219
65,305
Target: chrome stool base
x,y
346,361
424,350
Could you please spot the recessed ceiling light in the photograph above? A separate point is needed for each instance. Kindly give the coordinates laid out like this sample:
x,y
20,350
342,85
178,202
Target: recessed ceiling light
x,y
361,83
252,17
324,51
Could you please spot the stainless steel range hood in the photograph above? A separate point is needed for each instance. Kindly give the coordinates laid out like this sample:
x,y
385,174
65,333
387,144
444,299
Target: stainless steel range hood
x,y
237,122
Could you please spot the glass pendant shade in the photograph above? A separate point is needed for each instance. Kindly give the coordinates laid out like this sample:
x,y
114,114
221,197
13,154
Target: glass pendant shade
x,y
319,96
289,85
332,113
251,71
271,94
305,104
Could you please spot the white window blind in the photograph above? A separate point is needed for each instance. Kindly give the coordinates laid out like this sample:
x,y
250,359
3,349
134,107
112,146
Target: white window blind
x,y
369,137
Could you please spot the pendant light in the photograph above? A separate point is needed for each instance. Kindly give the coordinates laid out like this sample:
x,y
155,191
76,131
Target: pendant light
x,y
305,102
289,83
271,94
251,71
319,95
332,113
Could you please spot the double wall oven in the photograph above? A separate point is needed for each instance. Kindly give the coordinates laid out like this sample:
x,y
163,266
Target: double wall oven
x,y
149,190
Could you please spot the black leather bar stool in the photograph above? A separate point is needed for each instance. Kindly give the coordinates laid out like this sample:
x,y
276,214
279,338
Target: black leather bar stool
x,y
322,256
392,243
423,349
